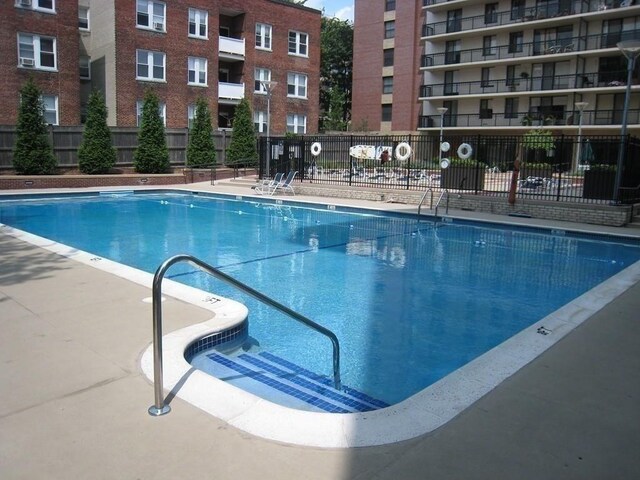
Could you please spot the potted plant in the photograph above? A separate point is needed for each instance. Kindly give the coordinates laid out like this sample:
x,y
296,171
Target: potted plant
x,y
599,182
463,174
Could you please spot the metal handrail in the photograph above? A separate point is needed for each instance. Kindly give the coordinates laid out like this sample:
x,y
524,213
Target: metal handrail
x,y
159,407
444,192
425,196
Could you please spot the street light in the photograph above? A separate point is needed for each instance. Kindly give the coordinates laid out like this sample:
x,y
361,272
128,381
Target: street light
x,y
268,86
631,50
441,111
580,106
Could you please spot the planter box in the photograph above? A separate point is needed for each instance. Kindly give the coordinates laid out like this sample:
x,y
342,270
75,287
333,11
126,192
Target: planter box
x,y
462,178
535,172
598,185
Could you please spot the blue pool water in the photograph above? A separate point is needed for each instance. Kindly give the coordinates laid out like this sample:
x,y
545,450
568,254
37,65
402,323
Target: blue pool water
x,y
410,300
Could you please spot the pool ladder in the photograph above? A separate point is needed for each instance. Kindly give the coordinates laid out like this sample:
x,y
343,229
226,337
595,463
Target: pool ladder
x,y
445,193
159,407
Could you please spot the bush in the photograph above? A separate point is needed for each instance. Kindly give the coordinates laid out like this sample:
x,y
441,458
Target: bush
x,y
603,167
152,155
96,153
243,142
201,151
32,154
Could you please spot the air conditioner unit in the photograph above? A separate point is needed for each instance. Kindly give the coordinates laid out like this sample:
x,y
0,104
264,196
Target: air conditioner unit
x,y
27,62
25,3
158,26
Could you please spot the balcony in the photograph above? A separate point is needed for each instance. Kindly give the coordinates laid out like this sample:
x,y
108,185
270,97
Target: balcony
x,y
230,93
609,79
515,15
526,119
530,49
231,49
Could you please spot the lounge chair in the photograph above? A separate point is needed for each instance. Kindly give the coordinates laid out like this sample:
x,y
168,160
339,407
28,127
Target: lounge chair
x,y
267,186
286,186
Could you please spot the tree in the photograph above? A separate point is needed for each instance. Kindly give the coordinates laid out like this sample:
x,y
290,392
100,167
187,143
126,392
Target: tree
x,y
537,139
96,153
152,155
335,118
33,154
201,151
336,64
243,141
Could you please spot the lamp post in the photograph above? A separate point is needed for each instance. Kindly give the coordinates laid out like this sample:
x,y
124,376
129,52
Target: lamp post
x,y
580,106
441,111
268,86
631,50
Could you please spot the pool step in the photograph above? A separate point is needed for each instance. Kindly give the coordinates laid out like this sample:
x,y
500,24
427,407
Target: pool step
x,y
292,385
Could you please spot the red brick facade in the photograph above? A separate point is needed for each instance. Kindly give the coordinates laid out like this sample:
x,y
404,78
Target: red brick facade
x,y
124,38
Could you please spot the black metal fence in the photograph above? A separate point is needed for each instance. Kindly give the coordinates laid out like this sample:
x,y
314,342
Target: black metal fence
x,y
572,170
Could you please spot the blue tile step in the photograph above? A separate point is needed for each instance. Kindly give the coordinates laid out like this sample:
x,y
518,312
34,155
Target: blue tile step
x,y
283,382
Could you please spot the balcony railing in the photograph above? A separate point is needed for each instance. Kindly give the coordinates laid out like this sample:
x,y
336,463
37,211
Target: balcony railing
x,y
527,84
530,49
233,47
509,17
230,91
561,117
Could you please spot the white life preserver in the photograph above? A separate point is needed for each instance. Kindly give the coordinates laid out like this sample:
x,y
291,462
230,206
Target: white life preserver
x,y
403,151
316,148
445,146
465,151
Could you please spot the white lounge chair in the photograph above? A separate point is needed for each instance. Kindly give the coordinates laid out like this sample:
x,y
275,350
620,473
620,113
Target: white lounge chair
x,y
268,186
286,186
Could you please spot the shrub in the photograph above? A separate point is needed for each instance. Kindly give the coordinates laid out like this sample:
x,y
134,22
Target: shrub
x,y
96,153
603,167
243,142
32,154
201,151
152,155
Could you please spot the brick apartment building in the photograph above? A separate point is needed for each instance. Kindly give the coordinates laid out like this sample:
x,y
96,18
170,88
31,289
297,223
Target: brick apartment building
x,y
183,49
501,66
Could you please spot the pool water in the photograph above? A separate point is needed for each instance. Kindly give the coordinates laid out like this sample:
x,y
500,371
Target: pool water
x,y
410,299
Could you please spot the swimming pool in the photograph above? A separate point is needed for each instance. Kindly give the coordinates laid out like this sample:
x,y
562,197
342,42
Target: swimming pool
x,y
406,296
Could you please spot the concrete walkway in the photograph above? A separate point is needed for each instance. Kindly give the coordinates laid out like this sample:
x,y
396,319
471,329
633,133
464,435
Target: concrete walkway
x,y
73,402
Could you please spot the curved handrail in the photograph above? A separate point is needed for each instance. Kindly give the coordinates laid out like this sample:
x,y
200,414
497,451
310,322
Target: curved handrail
x,y
425,196
159,408
443,194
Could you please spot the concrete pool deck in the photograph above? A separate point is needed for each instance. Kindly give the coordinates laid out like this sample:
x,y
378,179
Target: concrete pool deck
x,y
74,399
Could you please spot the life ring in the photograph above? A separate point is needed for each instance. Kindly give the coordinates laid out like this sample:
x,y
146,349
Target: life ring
x,y
465,151
316,148
445,146
403,151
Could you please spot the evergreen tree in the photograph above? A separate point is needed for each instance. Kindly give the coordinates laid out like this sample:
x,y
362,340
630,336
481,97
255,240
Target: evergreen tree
x,y
33,154
243,140
96,154
201,151
152,155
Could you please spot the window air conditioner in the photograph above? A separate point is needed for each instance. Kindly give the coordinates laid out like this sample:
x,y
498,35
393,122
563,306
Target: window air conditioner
x,y
158,25
27,62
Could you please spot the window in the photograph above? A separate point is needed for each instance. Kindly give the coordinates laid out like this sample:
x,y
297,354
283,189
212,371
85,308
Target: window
x,y
390,29
260,121
389,5
515,42
35,51
162,111
261,75
191,114
485,76
386,112
489,45
83,18
511,107
387,84
485,111
85,67
48,6
511,76
387,60
296,123
452,52
50,103
296,85
491,13
450,85
454,20
150,15
198,22
263,36
198,71
298,43
517,9
150,65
